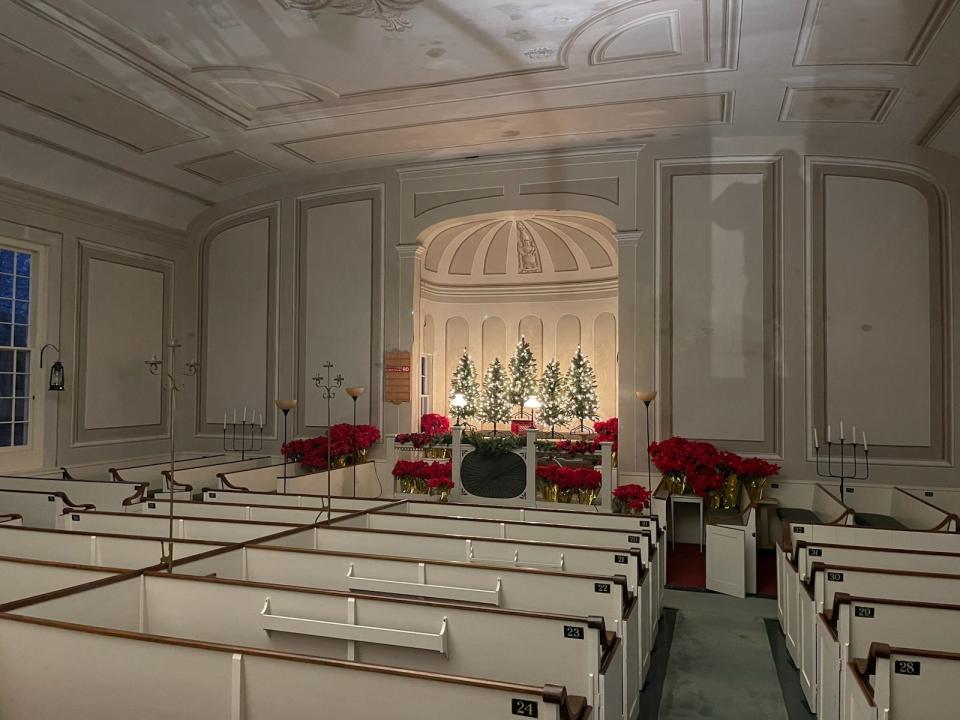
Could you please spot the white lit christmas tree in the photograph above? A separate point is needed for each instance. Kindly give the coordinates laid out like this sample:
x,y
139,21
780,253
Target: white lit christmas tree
x,y
523,374
464,381
495,406
553,394
582,389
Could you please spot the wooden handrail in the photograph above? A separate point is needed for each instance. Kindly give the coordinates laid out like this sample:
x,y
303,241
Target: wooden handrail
x,y
231,487
883,650
842,598
625,531
173,484
10,517
65,474
139,495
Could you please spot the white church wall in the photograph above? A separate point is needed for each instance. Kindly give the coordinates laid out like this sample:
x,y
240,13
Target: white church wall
x,y
105,286
722,335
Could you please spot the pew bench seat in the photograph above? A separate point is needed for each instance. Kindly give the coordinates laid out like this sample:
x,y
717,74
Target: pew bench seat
x,y
798,515
877,520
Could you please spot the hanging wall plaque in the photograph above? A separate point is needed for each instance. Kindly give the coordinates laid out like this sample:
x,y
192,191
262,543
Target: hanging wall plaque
x,y
396,381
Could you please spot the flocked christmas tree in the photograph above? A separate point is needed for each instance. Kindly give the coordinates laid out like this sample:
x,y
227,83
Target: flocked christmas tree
x,y
523,374
553,394
495,406
582,389
464,381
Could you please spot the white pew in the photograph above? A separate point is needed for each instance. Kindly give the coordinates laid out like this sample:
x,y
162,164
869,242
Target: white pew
x,y
99,549
856,622
102,471
104,494
895,683
517,589
184,528
944,498
827,580
789,577
24,578
38,509
235,511
369,484
195,479
243,497
429,636
152,473
485,551
607,521
211,680
892,507
636,539
266,478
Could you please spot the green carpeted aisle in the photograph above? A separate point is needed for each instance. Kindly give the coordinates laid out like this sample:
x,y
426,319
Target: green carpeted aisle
x,y
720,663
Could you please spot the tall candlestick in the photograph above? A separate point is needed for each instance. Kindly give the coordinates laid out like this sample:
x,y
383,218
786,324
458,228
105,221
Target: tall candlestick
x,y
816,440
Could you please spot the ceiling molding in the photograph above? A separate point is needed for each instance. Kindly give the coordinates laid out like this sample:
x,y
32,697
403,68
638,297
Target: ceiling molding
x,y
217,168
599,52
940,122
875,104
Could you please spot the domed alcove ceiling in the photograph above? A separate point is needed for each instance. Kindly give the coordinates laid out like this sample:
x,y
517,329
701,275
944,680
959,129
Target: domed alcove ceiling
x,y
520,249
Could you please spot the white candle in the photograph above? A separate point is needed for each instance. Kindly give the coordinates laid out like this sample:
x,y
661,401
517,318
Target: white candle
x,y
816,440
841,431
261,421
829,434
224,421
234,416
853,434
865,448
245,414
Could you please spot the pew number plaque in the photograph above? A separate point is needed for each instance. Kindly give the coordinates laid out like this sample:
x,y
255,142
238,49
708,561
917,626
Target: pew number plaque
x,y
524,708
396,381
906,667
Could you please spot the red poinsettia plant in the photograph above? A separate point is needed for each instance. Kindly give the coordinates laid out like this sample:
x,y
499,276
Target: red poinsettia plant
x,y
630,498
421,476
693,460
434,424
570,478
607,431
435,430
344,441
578,447
756,469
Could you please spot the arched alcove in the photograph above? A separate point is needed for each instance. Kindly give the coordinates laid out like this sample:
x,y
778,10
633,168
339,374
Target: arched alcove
x,y
549,276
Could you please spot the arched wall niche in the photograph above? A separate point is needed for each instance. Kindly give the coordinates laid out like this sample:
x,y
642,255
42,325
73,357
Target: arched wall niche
x,y
550,277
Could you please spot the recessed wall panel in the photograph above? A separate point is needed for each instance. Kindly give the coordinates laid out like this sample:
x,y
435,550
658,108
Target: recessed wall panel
x,y
237,322
336,265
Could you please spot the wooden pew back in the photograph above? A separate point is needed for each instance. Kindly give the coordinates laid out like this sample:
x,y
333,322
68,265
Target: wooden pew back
x,y
152,473
37,508
103,494
184,528
290,500
234,511
22,578
912,682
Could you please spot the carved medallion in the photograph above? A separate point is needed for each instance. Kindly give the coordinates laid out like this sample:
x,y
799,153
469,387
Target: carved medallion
x,y
388,12
527,250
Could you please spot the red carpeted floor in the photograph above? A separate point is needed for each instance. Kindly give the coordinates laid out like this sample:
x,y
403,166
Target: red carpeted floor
x,y
687,567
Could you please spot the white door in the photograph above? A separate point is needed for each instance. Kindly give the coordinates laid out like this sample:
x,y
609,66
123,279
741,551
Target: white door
x,y
726,552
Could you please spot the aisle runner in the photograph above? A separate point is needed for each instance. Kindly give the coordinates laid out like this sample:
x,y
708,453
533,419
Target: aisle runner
x,y
720,662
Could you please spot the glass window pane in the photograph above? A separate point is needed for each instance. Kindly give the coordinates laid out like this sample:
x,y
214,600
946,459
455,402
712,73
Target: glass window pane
x,y
6,434
6,410
23,360
20,433
6,261
23,288
6,333
6,310
6,385
20,333
22,313
6,286
23,386
23,264
21,409
6,360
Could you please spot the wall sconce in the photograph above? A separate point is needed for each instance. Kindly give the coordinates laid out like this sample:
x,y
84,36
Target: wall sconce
x,y
56,370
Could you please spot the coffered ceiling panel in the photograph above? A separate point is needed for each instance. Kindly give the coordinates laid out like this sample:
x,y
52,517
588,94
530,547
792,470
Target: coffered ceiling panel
x,y
862,105
596,119
227,167
57,90
203,100
895,32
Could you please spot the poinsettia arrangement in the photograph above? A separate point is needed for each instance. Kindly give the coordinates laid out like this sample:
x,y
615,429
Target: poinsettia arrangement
x,y
630,498
423,470
435,430
607,431
343,440
703,466
569,478
578,447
